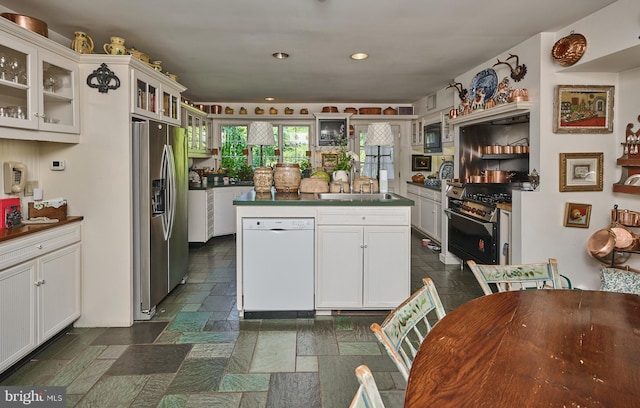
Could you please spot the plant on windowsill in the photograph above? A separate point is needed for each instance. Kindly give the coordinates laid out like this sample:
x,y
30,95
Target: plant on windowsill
x,y
346,159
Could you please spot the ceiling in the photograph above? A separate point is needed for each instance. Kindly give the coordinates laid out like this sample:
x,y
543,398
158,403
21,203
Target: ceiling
x,y
221,50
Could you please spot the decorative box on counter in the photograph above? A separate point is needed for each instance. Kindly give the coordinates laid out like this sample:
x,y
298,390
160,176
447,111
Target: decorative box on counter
x,y
54,209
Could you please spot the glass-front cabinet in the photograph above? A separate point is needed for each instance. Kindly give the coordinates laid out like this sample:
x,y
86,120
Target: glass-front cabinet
x,y
153,99
38,89
198,128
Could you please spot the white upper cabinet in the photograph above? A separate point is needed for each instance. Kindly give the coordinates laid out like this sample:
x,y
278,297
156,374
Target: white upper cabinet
x,y
155,99
38,86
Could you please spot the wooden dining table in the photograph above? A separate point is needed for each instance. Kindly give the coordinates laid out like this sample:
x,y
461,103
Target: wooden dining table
x,y
532,348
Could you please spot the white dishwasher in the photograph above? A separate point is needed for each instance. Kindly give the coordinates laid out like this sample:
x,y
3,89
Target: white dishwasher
x,y
278,265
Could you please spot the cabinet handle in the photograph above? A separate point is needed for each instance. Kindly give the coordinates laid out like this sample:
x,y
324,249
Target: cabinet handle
x,y
43,281
37,283
39,246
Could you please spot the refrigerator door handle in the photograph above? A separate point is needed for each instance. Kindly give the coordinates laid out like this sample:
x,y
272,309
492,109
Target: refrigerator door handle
x,y
165,171
172,189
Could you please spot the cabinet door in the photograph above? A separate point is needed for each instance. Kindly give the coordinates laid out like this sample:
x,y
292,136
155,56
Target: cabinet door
x,y
427,216
170,106
59,290
145,95
438,215
224,212
58,107
17,312
339,269
415,210
198,203
19,84
387,257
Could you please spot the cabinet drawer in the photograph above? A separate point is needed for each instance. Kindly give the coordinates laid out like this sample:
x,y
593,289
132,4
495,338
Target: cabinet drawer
x,y
22,249
411,188
364,216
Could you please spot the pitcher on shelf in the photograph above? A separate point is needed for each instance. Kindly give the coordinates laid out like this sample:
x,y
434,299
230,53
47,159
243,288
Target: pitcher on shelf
x,y
116,47
341,175
82,43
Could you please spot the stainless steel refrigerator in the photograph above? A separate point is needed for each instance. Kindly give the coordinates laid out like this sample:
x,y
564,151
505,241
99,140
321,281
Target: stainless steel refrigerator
x,y
160,189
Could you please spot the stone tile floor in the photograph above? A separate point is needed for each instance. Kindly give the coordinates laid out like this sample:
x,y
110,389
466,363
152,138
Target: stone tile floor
x,y
197,352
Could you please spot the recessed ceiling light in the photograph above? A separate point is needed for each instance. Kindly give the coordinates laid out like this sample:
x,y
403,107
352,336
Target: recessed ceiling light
x,y
269,98
280,55
359,56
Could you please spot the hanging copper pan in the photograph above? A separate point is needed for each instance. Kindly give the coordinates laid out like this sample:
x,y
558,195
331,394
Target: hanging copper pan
x,y
601,247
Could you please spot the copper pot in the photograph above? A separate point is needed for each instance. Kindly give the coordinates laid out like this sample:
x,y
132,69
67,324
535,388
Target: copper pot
x,y
626,217
216,109
601,246
506,149
518,149
498,176
30,23
477,179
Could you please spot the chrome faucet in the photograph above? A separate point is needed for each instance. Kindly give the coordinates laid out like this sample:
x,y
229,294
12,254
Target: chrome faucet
x,y
341,187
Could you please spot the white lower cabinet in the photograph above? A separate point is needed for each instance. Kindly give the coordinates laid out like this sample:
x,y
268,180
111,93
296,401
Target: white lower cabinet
x,y
224,212
201,219
212,213
40,296
365,265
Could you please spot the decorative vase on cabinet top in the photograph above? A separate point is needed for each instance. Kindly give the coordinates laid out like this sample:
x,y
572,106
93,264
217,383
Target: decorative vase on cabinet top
x,y
116,47
82,43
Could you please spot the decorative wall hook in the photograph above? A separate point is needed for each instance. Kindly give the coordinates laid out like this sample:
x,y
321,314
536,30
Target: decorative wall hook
x,y
518,72
103,76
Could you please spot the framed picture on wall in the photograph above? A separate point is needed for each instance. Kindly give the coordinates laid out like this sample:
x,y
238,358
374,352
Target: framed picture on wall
x,y
583,109
420,162
581,171
577,215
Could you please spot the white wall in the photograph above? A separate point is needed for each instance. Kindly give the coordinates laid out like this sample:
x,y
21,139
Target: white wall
x,y
538,226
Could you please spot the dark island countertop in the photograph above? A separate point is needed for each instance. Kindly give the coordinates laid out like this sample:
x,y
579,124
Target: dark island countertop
x,y
208,186
311,199
19,232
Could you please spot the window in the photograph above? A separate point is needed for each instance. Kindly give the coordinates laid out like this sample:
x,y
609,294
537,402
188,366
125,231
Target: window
x,y
369,156
293,143
234,141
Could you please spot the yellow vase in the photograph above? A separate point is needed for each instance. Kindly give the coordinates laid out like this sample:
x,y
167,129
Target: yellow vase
x,y
82,43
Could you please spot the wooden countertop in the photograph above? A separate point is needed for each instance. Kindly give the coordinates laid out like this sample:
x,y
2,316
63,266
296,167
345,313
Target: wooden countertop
x,y
19,232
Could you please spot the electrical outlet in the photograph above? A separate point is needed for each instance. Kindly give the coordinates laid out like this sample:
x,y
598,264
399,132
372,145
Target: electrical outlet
x,y
29,186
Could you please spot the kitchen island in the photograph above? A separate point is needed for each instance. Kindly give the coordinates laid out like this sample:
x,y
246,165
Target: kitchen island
x,y
362,251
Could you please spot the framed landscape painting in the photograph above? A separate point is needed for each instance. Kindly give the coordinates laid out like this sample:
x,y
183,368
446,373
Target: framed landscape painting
x,y
583,109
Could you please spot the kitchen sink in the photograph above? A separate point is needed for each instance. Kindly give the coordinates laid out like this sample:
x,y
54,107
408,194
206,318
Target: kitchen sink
x,y
357,196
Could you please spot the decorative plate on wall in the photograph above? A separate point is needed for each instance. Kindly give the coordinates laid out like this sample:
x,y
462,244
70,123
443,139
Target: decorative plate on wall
x,y
485,80
445,172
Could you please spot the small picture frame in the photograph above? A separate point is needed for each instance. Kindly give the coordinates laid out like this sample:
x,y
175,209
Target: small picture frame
x,y
581,171
577,215
420,162
329,159
583,109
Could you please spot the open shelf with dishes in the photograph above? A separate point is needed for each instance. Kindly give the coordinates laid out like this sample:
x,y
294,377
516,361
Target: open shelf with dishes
x,y
630,179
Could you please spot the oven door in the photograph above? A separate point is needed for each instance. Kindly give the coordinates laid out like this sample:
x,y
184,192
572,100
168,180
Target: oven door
x,y
470,238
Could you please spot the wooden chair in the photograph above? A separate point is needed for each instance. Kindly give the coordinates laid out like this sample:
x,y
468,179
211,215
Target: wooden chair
x,y
406,326
367,395
543,275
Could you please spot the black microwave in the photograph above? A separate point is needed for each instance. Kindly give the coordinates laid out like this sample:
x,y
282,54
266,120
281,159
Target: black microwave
x,y
433,138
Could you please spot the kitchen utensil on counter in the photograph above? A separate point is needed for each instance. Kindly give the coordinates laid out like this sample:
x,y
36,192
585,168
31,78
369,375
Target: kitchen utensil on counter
x,y
477,179
30,23
418,178
287,177
262,179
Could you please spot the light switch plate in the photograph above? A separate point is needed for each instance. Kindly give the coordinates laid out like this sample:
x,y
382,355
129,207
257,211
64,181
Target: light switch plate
x,y
29,186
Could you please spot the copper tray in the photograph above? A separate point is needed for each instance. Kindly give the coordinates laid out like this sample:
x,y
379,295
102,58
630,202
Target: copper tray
x,y
568,50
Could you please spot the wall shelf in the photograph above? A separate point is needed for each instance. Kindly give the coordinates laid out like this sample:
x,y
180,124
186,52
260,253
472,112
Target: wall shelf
x,y
506,109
